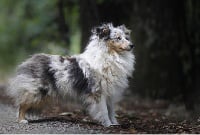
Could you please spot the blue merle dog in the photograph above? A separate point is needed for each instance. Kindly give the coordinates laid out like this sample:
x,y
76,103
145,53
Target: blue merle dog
x,y
97,77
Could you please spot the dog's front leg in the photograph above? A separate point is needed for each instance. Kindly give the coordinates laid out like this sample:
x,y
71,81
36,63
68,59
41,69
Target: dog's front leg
x,y
111,111
98,111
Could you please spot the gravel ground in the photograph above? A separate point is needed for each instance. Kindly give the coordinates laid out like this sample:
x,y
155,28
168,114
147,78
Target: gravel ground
x,y
9,125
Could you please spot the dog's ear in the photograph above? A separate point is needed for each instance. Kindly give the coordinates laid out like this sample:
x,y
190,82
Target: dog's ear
x,y
125,30
102,31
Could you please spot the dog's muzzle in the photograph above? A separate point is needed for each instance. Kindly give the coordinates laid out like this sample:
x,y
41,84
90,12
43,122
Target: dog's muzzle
x,y
130,47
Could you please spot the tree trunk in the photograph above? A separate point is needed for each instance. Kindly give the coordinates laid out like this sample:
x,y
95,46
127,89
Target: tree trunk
x,y
62,26
88,18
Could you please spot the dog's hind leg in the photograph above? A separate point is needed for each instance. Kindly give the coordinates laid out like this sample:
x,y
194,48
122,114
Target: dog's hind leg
x,y
23,108
26,103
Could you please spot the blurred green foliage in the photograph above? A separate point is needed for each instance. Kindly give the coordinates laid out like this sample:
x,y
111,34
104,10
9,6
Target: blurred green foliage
x,y
29,26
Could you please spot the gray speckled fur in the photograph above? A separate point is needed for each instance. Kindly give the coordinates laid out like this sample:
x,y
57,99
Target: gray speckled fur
x,y
38,67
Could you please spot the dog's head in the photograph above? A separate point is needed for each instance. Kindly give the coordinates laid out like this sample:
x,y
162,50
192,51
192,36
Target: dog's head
x,y
117,39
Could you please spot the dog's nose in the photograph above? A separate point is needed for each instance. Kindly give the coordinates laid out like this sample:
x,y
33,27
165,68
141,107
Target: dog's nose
x,y
132,45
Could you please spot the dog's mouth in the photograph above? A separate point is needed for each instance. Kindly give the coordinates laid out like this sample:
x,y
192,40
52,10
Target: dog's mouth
x,y
125,49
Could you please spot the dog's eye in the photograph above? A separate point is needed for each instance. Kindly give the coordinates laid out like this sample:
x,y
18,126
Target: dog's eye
x,y
119,38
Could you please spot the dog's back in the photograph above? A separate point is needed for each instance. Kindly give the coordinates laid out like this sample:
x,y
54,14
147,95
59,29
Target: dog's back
x,y
35,67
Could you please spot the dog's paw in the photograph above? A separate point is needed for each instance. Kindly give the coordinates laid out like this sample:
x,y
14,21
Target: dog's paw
x,y
107,124
115,124
114,121
23,121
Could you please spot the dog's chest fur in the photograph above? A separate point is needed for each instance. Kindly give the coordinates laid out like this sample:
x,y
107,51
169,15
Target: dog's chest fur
x,y
113,70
